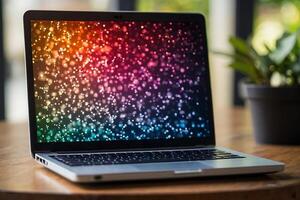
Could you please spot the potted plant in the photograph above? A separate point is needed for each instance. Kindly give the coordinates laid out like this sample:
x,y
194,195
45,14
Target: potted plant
x,y
272,87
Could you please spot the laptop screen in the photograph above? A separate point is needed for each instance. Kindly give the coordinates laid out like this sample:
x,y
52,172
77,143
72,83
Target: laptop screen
x,y
119,80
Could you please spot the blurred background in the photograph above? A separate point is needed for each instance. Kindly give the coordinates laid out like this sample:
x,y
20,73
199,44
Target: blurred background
x,y
264,20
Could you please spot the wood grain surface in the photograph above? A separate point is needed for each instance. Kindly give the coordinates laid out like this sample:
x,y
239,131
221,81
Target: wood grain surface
x,y
23,179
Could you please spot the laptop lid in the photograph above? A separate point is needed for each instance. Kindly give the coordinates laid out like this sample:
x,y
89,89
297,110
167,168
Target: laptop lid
x,y
117,80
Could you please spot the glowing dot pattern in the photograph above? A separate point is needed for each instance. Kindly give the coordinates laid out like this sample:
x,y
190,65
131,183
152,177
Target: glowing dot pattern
x,y
108,80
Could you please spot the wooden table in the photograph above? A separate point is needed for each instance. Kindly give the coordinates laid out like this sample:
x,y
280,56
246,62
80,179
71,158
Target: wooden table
x,y
21,178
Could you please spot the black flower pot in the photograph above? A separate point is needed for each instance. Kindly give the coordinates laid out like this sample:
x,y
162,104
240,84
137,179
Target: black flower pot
x,y
275,113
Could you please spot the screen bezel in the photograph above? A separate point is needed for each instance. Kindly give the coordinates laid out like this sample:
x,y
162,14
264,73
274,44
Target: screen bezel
x,y
113,145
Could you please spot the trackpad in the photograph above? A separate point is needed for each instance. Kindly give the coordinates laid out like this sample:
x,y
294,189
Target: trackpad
x,y
175,166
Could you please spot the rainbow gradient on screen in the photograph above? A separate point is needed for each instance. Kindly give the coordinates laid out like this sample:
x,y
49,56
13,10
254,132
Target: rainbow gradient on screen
x,y
112,80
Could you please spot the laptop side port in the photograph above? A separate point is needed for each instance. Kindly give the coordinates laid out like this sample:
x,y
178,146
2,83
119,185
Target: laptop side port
x,y
41,160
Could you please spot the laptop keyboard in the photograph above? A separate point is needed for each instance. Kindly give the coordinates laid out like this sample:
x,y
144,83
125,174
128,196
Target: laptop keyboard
x,y
143,157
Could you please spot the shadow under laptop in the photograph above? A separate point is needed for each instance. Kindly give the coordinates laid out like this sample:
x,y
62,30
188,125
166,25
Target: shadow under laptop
x,y
58,183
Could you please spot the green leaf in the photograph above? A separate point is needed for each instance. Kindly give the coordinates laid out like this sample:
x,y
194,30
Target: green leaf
x,y
283,48
244,64
239,45
224,54
268,48
237,57
246,69
262,62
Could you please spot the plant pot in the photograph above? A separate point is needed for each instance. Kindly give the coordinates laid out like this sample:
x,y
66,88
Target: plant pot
x,y
275,113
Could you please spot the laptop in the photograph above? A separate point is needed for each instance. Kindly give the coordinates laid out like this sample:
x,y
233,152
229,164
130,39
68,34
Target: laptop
x,y
124,96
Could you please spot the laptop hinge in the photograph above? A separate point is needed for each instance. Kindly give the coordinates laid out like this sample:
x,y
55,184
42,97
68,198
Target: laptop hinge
x,y
133,149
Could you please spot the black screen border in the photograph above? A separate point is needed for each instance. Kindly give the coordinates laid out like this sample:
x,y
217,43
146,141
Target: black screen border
x,y
112,145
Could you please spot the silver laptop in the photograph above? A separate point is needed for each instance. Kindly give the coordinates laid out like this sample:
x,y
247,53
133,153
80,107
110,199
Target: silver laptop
x,y
124,96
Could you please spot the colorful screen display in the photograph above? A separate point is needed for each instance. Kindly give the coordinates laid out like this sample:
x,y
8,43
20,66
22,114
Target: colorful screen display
x,y
119,80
